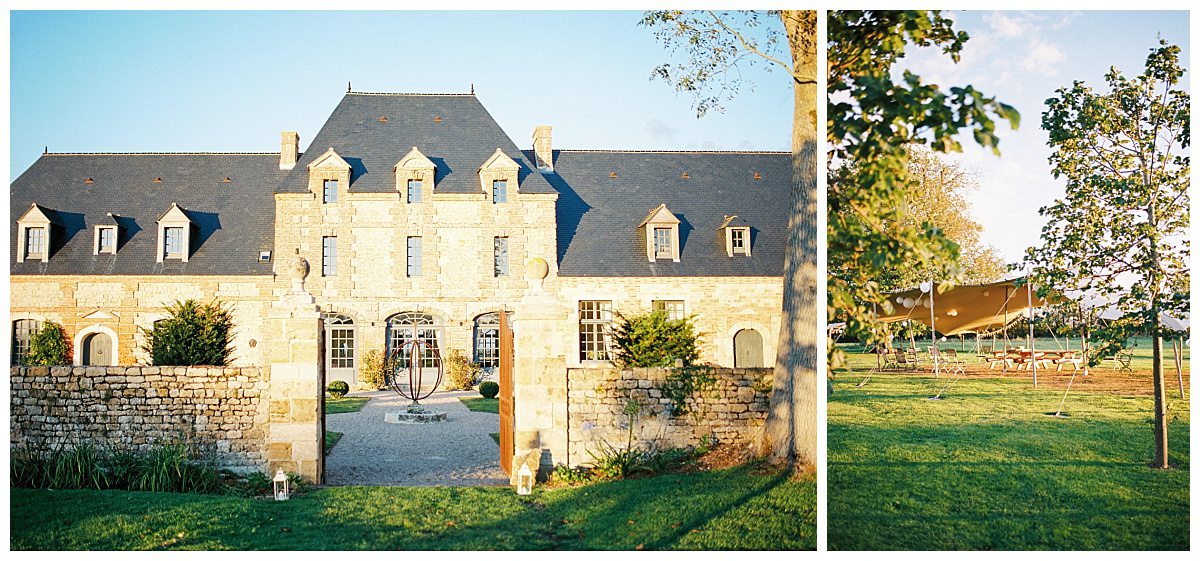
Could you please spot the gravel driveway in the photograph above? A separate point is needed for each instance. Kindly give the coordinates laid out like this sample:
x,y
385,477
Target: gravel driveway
x,y
456,452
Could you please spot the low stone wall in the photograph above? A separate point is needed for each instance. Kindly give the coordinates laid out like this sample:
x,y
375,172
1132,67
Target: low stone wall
x,y
731,410
133,408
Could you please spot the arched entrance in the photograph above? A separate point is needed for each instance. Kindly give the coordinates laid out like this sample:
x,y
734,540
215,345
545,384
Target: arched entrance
x,y
748,349
409,326
97,350
339,348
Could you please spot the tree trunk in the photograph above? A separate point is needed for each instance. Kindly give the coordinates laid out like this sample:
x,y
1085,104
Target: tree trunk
x,y
789,436
1160,402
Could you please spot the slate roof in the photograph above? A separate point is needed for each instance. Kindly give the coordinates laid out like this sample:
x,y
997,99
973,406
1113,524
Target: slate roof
x,y
464,138
235,220
598,215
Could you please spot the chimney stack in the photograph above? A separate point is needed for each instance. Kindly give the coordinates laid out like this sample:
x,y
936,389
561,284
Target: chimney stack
x,y
542,148
289,149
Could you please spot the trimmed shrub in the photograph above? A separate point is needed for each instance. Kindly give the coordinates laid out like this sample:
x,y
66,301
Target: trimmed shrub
x,y
49,346
337,389
193,334
372,370
489,390
654,340
461,373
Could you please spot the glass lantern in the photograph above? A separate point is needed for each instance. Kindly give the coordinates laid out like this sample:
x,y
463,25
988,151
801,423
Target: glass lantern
x,y
524,480
281,483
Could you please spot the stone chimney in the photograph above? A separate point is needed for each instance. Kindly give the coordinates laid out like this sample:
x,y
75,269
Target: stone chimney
x,y
289,149
541,148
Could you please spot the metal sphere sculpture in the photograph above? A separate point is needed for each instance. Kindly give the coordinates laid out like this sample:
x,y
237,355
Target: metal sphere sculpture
x,y
408,378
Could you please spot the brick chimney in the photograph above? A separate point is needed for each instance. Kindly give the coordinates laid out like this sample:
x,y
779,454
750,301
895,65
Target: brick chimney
x,y
541,148
289,148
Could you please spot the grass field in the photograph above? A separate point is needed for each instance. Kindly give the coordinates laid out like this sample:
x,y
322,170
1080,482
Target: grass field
x,y
985,468
331,440
481,404
730,509
345,404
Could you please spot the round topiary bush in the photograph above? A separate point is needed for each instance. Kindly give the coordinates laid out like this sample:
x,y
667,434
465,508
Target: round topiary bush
x,y
489,389
338,388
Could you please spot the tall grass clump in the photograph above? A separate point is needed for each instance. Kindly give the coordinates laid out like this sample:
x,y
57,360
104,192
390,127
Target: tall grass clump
x,y
164,468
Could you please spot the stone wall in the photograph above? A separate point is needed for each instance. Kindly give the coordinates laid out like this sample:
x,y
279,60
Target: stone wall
x,y
731,410
225,410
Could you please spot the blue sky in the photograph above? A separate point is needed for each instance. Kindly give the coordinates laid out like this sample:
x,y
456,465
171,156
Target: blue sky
x,y
1022,58
230,81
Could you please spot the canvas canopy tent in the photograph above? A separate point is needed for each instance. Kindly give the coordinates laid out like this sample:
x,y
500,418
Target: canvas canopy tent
x,y
962,308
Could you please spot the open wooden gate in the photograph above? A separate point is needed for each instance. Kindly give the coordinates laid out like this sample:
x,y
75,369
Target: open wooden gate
x,y
506,394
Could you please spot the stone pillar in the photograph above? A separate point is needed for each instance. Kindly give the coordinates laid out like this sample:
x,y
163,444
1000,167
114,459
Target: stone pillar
x,y
294,374
539,374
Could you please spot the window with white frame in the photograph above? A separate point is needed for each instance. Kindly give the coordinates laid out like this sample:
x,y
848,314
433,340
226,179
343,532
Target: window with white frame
x,y
340,337
35,242
414,256
23,332
740,240
414,191
595,324
173,242
662,244
330,191
328,256
674,308
106,239
487,340
414,326
499,192
500,257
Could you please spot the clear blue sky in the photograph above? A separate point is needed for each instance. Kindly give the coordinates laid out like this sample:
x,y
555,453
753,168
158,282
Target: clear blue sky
x,y
217,81
1022,58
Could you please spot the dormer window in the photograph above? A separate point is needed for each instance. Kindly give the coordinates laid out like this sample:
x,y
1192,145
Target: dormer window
x,y
175,234
499,192
329,191
413,172
661,230
328,174
496,174
106,239
736,236
35,231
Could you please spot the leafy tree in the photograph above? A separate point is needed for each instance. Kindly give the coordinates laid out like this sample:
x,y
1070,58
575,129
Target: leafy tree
x,y
461,373
716,43
655,340
877,116
1120,234
50,346
193,334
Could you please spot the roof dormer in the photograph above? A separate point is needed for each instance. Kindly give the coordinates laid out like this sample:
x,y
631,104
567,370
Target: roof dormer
x,y
35,232
329,176
175,230
661,229
107,235
498,176
415,175
735,234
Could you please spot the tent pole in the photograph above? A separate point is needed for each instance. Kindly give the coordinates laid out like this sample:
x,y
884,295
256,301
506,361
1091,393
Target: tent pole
x,y
933,350
1032,346
1177,347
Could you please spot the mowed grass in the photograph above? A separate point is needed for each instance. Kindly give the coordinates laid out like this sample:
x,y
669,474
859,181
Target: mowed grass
x,y
729,509
985,468
331,440
481,404
345,404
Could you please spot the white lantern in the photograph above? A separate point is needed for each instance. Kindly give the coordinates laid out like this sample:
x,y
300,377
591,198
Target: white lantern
x,y
927,303
899,299
282,491
925,286
908,303
952,313
524,480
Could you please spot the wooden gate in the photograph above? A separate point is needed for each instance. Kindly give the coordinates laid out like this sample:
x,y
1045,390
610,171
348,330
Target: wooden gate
x,y
506,395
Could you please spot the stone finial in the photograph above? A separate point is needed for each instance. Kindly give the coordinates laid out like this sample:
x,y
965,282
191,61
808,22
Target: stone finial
x,y
536,270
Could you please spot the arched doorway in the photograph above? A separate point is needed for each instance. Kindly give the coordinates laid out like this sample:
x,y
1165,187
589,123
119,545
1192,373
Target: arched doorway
x,y
487,340
97,350
409,326
339,348
748,349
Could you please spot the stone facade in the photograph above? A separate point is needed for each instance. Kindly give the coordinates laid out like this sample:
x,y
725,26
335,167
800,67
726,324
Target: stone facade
x,y
731,411
224,410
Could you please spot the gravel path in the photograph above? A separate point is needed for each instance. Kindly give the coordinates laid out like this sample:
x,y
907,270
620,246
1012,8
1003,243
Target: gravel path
x,y
456,452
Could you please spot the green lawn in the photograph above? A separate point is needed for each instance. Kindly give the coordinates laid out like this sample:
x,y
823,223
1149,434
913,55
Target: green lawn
x,y
481,404
345,404
495,436
986,469
731,509
331,440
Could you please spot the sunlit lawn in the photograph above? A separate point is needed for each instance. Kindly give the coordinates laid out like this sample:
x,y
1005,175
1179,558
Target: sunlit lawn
x,y
481,404
731,509
352,404
985,468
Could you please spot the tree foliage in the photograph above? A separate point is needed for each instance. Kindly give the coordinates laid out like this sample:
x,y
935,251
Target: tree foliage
x,y
50,346
655,340
1119,237
877,116
192,334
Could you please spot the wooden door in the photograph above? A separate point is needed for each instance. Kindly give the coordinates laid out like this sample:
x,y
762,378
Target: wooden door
x,y
506,395
747,349
97,350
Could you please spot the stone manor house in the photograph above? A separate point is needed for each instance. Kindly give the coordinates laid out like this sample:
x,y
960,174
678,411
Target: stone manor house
x,y
420,218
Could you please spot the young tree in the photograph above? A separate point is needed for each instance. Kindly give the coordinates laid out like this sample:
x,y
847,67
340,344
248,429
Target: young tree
x,y
877,116
655,340
1120,235
50,346
716,43
193,334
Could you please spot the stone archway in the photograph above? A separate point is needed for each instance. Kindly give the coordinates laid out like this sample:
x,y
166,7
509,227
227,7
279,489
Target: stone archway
x,y
102,349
